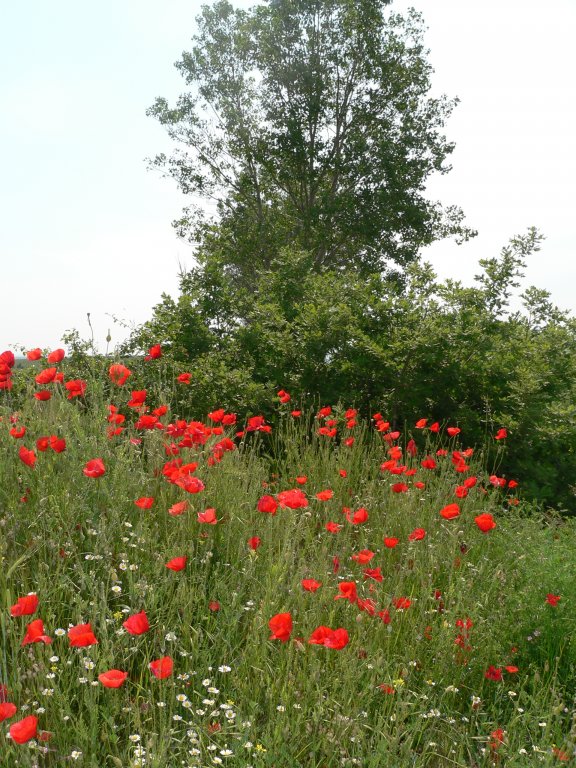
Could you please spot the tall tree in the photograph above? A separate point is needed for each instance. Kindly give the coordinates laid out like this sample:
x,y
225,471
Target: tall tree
x,y
309,123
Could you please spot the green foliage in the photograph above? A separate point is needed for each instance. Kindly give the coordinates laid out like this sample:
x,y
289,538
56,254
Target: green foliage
x,y
311,125
414,347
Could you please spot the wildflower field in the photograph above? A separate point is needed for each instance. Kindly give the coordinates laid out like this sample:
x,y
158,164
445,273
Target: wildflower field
x,y
308,587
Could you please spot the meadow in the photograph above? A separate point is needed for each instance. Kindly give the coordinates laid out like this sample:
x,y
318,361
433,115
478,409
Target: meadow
x,y
306,587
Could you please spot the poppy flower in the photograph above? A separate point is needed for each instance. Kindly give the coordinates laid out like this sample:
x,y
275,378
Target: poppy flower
x,y
17,432
310,585
501,434
511,669
46,376
332,527
417,534
267,504
177,563
453,431
293,499
35,633
347,591
450,511
178,508
325,495
428,463
493,673
421,423
208,516
56,356
358,517
57,444
399,488
301,479
281,627
94,468
144,502
343,473
81,636
119,374
184,378
401,603
254,542
137,624
390,542
113,678
329,638
162,668
485,522
154,353
319,635
34,354
7,710
363,557
296,414
257,424
284,396
497,482
214,606
27,457
553,599
24,730
75,388
373,573
470,482
25,606
137,399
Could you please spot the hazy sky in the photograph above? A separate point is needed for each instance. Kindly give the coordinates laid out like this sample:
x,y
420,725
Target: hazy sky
x,y
87,228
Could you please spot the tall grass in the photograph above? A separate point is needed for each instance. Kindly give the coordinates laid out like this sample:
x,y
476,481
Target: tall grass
x,y
409,688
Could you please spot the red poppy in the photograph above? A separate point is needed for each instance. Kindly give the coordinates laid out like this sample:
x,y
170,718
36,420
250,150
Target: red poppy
x,y
428,463
113,678
325,495
177,563
453,431
485,522
137,399
329,638
267,504
553,599
162,668
421,423
81,636
284,396
332,527
390,542
450,511
56,356
154,352
301,479
144,502
343,473
417,534
178,508
75,388
511,669
296,414
254,542
119,374
501,434
137,624
435,427
399,488
470,482
7,710
497,482
34,354
208,516
385,616
27,457
363,557
493,673
358,517
24,730
347,591
25,606
461,491
17,432
373,573
58,444
310,585
293,499
214,606
94,468
401,603
35,633
281,627
257,424
184,378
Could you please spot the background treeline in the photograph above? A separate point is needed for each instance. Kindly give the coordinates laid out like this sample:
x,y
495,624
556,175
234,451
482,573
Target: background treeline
x,y
309,130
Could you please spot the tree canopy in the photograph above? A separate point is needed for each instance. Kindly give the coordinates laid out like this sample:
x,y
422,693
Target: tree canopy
x,y
309,123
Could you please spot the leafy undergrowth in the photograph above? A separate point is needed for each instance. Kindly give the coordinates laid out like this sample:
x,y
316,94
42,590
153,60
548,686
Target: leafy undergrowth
x,y
326,592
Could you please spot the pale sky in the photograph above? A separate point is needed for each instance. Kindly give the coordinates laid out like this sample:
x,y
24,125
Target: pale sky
x,y
87,228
